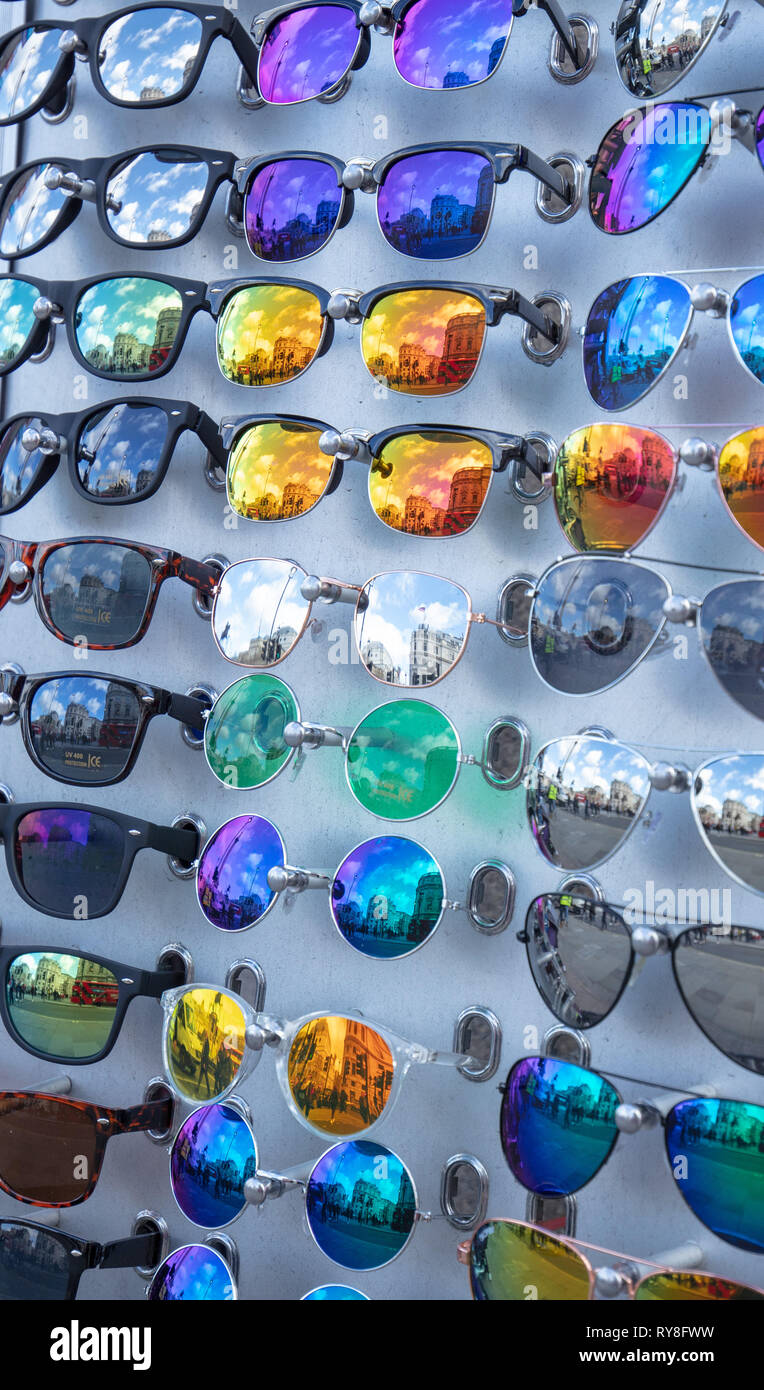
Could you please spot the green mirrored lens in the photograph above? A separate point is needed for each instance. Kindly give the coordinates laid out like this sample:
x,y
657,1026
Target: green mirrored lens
x,y
61,1005
127,327
512,1262
402,759
244,734
17,320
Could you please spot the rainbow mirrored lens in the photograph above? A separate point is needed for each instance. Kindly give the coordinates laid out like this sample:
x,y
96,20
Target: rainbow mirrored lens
x,y
149,55
268,334
715,1148
512,1262
634,329
741,478
193,1274
127,327
204,1043
340,1074
402,760
387,897
557,1124
361,1205
430,482
27,63
746,321
232,877
213,1155
584,797
276,471
306,53
610,483
17,320
424,342
644,160
436,205
291,208
440,43
685,1286
244,733
61,1005
334,1293
259,611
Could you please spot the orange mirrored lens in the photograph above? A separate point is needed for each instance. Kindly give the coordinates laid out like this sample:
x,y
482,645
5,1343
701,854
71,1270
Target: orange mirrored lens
x,y
268,334
685,1286
205,1043
424,342
276,471
741,478
430,483
610,484
340,1074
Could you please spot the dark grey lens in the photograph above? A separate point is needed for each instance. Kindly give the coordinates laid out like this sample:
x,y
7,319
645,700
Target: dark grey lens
x,y
731,627
585,796
96,591
84,727
34,1263
30,210
156,197
579,952
720,971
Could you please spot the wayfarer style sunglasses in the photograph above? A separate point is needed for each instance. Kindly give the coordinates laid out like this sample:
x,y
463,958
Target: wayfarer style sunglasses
x,y
656,43
582,954
39,1264
560,1122
507,1259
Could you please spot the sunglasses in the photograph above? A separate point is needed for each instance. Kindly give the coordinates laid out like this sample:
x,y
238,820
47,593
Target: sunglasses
x,y
506,1259
637,327
401,760
141,56
39,1264
582,954
52,1149
650,155
93,587
560,1122
335,1293
196,1273
586,794
423,480
73,860
387,897
116,452
653,52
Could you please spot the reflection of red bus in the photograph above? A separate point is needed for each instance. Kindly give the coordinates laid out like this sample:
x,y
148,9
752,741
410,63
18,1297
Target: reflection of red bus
x,y
117,735
95,992
157,357
761,829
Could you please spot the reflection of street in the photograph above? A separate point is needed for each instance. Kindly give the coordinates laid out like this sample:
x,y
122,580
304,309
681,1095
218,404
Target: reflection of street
x,y
60,1026
742,855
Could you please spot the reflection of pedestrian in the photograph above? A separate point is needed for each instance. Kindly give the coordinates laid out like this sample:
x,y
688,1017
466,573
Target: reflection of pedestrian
x,y
204,1064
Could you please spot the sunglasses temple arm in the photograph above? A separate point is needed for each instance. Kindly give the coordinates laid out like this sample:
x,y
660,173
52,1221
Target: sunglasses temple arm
x,y
243,47
516,303
175,841
559,20
187,710
133,1250
153,1114
208,432
544,173
203,578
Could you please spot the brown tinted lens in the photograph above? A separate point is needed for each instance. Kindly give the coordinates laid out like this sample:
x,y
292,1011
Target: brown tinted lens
x,y
424,342
741,479
610,483
340,1074
430,483
276,471
48,1148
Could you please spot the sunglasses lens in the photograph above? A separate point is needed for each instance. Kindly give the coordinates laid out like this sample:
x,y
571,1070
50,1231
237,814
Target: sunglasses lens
x,y
276,471
121,451
741,479
436,205
411,628
193,1274
35,1264
19,467
686,1286
731,627
402,760
232,877
204,1043
610,484
642,163
48,1148
27,63
440,43
387,897
244,734
268,334
714,1148
579,952
212,1157
585,796
365,1233
760,136
30,210
653,52
340,1074
63,1006
403,328
17,320
746,320
592,621
149,55
306,53
510,1263
127,328
557,1124
334,1293
634,329
259,611
69,859
728,801
720,971
430,483
96,591
155,198
291,208
84,728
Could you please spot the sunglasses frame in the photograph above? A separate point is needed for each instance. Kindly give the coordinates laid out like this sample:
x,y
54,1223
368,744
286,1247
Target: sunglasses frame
x,y
629,20
82,1254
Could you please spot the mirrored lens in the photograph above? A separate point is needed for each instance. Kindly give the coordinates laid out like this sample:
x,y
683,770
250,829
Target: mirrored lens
x,y
193,1274
127,328
213,1155
592,621
610,484
644,160
430,482
48,1148
244,733
657,42
387,897
360,1204
634,330
340,1074
149,55
291,208
155,198
580,956
439,43
232,877
511,1262
268,334
204,1043
585,796
731,628
746,321
306,53
84,728
334,1292
63,1006
17,321
69,860
276,471
19,467
27,63
402,760
685,1286
436,205
259,613
714,1148
121,451
411,628
35,1263
424,342
740,471
30,210
96,591
720,972
557,1124
760,136
728,802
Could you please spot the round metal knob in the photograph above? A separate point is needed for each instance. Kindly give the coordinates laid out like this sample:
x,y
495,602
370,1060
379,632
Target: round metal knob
x,y
293,734
43,307
696,452
338,306
678,609
278,878
7,705
371,13
330,442
609,1283
628,1119
645,941
353,176
255,1191
704,297
18,572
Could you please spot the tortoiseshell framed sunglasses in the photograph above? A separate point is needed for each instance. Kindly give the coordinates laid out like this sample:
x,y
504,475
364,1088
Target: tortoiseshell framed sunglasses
x,y
38,1264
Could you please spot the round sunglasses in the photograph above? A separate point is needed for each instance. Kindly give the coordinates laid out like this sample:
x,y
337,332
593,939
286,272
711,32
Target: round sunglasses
x,y
655,48
38,1264
196,1273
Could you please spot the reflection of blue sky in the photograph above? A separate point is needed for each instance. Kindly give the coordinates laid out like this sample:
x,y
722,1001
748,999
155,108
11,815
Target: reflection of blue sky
x,y
360,1160
451,37
214,1133
743,611
147,54
257,599
401,601
16,317
414,182
67,965
737,778
25,67
70,563
120,447
665,20
582,763
747,324
30,210
129,305
405,759
155,197
193,1274
56,695
388,868
646,314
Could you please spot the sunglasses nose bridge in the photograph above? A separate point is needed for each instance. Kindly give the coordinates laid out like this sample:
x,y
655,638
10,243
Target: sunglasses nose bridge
x,y
344,304
378,17
357,175
348,444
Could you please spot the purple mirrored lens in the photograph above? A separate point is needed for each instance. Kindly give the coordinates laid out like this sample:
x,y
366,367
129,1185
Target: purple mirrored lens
x,y
291,208
232,877
760,136
644,161
436,205
193,1274
306,53
212,1157
444,43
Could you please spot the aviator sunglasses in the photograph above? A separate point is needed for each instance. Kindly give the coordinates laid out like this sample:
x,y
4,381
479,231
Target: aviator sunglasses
x,y
656,43
38,1264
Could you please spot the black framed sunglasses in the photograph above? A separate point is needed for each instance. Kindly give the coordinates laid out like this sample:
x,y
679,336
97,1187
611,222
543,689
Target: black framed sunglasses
x,y
40,1264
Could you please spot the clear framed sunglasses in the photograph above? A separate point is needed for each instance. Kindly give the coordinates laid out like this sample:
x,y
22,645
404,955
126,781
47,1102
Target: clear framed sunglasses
x,y
657,43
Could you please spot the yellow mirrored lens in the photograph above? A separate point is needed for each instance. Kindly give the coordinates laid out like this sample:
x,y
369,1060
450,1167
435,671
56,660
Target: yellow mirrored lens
x,y
741,478
268,334
685,1286
205,1043
340,1074
430,483
512,1262
276,471
424,342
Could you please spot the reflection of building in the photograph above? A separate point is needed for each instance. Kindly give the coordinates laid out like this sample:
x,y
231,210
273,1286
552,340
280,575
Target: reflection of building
x,y
456,79
622,800
289,357
737,819
497,48
79,725
466,496
378,662
431,653
272,646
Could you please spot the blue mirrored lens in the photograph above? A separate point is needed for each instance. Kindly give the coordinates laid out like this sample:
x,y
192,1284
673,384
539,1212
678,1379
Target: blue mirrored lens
x,y
212,1157
334,1292
747,325
715,1150
360,1204
193,1274
387,897
644,160
634,329
557,1124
